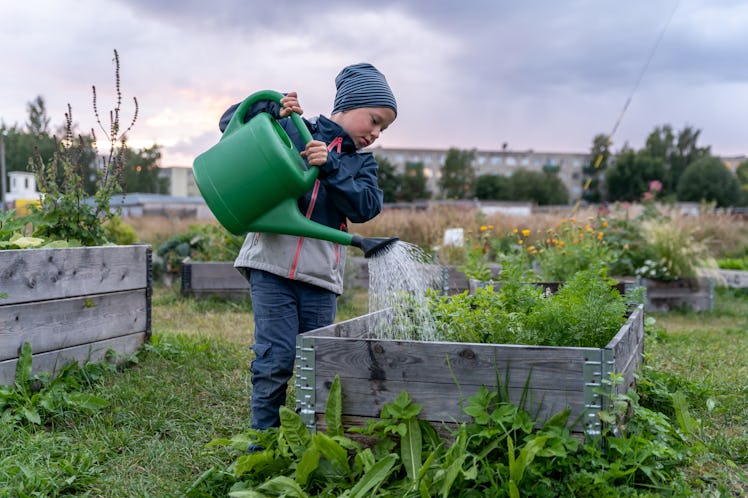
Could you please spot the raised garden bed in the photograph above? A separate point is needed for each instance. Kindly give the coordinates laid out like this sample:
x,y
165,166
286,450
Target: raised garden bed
x,y
443,375
220,279
693,293
73,304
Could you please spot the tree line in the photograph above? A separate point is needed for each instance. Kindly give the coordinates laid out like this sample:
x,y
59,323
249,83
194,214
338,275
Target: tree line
x,y
37,139
682,170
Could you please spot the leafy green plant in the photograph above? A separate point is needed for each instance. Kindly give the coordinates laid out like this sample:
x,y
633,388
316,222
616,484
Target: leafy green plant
x,y
201,243
36,398
502,451
65,211
571,246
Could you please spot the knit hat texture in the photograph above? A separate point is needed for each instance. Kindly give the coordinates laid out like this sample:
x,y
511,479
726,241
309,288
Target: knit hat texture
x,y
362,85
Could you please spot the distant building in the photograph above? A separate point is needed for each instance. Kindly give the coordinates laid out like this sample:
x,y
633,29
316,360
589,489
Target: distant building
x,y
568,165
22,192
181,181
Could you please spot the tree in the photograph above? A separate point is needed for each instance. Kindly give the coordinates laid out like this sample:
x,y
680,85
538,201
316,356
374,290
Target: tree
x,y
493,187
388,179
594,172
676,153
629,178
38,123
142,171
458,174
707,179
413,183
542,188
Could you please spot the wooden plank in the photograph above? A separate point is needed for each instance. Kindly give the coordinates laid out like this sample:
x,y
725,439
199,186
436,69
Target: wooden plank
x,y
63,323
215,275
93,352
626,342
733,278
366,399
448,364
41,274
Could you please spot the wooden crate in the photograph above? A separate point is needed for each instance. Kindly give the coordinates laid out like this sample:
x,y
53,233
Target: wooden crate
x,y
213,279
73,304
694,293
733,278
443,375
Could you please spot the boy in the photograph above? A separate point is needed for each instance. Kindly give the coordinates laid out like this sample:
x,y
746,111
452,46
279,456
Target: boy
x,y
295,281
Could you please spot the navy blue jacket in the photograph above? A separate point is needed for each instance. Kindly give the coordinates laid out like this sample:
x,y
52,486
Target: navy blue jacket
x,y
348,180
346,189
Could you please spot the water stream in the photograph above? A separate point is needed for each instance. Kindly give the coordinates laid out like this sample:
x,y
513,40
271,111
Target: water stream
x,y
398,281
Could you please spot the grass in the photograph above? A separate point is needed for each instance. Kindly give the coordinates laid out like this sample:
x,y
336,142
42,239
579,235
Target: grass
x,y
191,385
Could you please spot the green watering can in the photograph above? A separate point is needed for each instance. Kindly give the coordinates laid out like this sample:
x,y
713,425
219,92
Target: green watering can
x,y
251,180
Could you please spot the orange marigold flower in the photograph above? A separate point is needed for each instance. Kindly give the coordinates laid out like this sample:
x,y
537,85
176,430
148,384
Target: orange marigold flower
x,y
599,235
605,224
561,244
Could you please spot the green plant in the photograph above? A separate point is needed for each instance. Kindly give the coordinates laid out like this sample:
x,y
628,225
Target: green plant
x,y
37,398
201,243
570,247
673,251
65,211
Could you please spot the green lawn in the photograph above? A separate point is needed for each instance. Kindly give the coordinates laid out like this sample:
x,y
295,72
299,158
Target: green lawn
x,y
191,385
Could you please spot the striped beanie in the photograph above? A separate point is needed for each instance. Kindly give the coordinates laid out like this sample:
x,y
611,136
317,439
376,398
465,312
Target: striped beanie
x,y
362,85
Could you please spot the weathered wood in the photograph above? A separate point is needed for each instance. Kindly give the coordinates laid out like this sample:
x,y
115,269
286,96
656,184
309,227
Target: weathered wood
x,y
443,375
213,278
694,293
41,274
53,361
73,303
733,278
63,323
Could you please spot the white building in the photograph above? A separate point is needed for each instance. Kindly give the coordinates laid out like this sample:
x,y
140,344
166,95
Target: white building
x,y
22,187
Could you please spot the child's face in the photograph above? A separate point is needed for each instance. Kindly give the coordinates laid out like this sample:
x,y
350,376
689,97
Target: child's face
x,y
365,124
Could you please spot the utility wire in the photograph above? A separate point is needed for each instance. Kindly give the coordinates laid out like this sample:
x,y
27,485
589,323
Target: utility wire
x,y
599,158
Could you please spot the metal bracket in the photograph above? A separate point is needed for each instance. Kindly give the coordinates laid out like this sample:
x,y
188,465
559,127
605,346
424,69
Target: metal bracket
x,y
305,382
597,370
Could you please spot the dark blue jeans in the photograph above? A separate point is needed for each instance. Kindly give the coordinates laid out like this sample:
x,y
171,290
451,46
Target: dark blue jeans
x,y
282,310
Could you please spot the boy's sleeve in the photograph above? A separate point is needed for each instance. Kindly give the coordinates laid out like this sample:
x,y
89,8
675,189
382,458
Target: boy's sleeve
x,y
269,106
351,181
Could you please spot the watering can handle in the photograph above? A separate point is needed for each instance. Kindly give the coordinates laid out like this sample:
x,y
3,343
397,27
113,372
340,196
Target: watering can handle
x,y
237,120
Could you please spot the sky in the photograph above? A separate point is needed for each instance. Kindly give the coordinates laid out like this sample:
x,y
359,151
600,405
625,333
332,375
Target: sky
x,y
542,75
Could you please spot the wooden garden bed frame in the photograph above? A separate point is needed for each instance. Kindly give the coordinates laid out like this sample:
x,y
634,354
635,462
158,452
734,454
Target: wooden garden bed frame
x,y
73,304
443,375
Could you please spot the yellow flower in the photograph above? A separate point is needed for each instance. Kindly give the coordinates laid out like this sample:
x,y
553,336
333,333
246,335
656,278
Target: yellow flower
x,y
525,232
599,235
521,241
483,228
515,231
605,224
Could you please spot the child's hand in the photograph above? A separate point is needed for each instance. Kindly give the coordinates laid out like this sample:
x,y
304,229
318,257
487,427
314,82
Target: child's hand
x,y
289,104
315,153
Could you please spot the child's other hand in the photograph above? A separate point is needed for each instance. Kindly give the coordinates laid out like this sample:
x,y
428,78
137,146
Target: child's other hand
x,y
289,104
315,153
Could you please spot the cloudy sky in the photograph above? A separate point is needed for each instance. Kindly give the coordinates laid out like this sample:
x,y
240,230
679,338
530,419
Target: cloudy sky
x,y
545,75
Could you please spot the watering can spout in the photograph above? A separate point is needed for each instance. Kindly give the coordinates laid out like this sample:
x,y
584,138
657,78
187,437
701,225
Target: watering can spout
x,y
374,246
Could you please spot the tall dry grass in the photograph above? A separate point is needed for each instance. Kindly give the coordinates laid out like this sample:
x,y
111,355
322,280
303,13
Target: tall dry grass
x,y
725,234
156,230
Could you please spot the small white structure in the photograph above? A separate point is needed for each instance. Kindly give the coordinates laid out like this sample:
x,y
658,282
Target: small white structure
x,y
22,187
